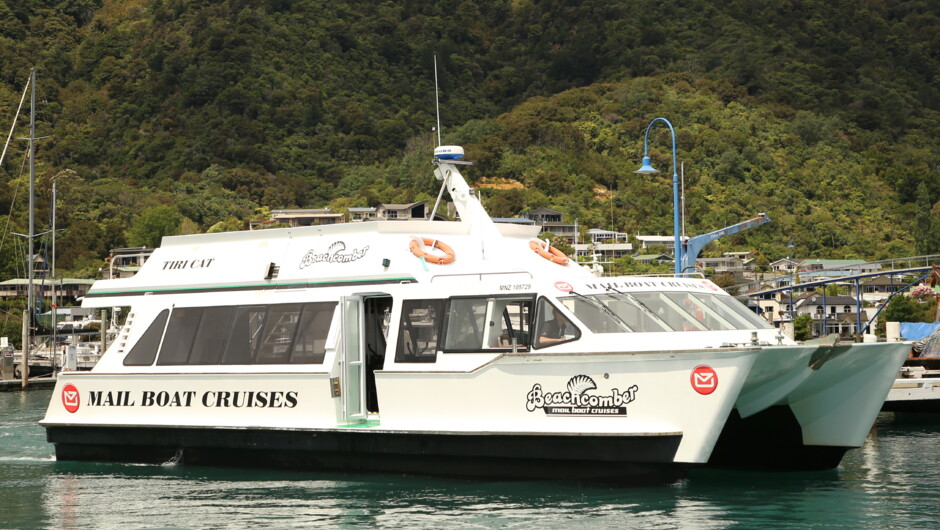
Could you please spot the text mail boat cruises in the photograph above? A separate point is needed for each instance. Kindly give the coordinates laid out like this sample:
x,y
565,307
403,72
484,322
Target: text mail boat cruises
x,y
460,348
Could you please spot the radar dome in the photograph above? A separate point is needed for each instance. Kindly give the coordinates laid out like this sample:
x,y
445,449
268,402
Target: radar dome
x,y
449,152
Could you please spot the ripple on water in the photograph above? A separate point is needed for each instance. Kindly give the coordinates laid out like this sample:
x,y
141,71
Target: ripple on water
x,y
893,481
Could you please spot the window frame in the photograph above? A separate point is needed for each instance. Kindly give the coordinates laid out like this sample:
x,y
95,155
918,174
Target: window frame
x,y
155,325
487,299
228,323
401,356
537,325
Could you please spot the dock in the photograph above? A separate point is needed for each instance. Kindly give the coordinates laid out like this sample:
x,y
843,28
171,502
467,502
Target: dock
x,y
36,383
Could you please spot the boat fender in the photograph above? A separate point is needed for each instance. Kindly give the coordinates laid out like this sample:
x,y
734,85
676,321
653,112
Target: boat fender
x,y
544,249
422,247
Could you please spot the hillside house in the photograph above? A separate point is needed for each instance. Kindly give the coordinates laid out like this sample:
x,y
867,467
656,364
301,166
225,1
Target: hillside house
x,y
647,242
553,221
402,212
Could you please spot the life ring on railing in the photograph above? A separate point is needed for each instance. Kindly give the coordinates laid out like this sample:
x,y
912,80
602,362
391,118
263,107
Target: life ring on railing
x,y
548,252
419,250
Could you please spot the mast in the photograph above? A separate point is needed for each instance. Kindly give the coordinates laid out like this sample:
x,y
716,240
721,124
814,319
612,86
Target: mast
x,y
55,344
24,367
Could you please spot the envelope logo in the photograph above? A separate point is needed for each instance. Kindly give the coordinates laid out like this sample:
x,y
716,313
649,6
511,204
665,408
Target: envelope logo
x,y
704,379
71,399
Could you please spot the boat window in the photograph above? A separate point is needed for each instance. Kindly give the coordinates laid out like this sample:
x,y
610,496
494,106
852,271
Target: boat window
x,y
145,351
184,321
419,330
209,341
704,314
722,312
310,343
278,334
661,311
484,324
245,335
275,334
595,314
552,326
607,313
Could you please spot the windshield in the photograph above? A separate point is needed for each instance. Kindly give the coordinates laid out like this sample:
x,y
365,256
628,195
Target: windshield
x,y
661,311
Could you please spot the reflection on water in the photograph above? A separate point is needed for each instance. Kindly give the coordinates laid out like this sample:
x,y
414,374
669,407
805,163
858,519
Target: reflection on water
x,y
893,481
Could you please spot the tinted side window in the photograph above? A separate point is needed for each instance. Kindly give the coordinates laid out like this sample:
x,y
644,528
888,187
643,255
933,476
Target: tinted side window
x,y
245,336
145,351
207,346
184,321
278,334
310,342
552,327
465,324
485,324
419,331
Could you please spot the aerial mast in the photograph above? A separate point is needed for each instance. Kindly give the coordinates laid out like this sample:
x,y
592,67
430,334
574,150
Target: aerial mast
x,y
24,363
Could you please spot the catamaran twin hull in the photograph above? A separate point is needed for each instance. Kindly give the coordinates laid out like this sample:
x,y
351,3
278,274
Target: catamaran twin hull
x,y
459,384
454,348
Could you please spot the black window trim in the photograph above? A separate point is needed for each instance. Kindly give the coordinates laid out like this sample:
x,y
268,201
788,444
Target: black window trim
x,y
520,296
537,320
406,323
228,334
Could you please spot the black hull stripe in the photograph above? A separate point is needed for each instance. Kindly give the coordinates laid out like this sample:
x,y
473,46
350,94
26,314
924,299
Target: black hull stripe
x,y
623,459
251,287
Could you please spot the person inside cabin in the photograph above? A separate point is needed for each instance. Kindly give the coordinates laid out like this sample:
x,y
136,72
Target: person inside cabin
x,y
553,330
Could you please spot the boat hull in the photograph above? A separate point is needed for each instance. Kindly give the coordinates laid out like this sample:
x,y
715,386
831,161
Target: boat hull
x,y
637,418
802,408
636,460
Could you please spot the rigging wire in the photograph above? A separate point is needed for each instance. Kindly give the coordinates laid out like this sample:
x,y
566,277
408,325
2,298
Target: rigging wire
x,y
12,127
16,189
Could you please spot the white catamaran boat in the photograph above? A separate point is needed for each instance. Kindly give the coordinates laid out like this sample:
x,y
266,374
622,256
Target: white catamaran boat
x,y
461,348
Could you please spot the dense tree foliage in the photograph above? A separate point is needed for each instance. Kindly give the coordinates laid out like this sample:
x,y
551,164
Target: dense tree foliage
x,y
803,327
825,115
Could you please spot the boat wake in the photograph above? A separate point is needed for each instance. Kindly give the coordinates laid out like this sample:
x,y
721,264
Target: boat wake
x,y
175,460
50,458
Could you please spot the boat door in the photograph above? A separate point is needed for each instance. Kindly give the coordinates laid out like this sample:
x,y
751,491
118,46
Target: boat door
x,y
353,370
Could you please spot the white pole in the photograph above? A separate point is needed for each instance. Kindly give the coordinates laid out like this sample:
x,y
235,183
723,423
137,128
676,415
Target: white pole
x,y
24,369
437,104
54,286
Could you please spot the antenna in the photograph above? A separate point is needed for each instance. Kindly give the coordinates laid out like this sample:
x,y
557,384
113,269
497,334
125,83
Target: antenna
x,y
437,103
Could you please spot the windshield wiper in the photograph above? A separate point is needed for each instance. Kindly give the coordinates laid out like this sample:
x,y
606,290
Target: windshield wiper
x,y
605,309
638,303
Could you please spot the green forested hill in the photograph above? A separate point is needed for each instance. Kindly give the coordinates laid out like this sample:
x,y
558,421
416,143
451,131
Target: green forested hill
x,y
184,115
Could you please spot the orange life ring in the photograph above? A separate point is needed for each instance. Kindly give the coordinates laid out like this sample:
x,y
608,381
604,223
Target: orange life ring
x,y
418,251
548,252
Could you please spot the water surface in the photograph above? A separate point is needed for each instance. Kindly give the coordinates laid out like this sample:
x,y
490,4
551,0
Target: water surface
x,y
893,481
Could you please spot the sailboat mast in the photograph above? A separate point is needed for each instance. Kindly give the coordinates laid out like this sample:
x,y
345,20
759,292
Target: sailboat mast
x,y
24,367
55,344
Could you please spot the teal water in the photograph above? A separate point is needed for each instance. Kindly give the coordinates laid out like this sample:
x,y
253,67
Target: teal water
x,y
893,481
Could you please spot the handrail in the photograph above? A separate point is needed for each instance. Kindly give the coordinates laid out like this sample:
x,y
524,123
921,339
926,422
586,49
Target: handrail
x,y
479,275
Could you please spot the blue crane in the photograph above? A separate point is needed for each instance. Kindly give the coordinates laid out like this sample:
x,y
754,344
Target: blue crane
x,y
695,244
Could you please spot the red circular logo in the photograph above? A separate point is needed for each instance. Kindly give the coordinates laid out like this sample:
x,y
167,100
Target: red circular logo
x,y
564,286
704,379
70,398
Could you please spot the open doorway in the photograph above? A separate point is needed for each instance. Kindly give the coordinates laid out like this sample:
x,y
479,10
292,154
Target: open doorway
x,y
377,311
